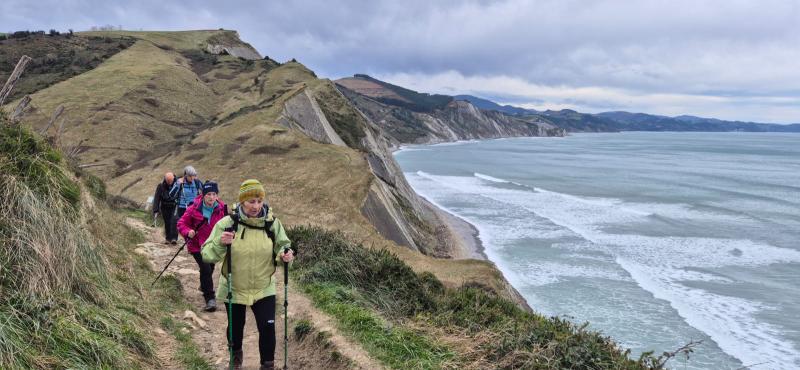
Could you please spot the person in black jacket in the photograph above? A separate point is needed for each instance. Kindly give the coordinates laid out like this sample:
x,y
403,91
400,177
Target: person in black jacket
x,y
165,204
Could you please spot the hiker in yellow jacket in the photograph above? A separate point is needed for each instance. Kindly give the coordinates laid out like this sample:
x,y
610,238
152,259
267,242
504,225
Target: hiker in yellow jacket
x,y
257,242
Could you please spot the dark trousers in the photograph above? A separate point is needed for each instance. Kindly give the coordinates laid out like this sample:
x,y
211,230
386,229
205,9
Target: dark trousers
x,y
206,276
170,223
264,311
178,214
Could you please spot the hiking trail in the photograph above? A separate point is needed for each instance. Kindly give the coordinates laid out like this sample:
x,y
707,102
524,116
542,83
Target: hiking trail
x,y
208,329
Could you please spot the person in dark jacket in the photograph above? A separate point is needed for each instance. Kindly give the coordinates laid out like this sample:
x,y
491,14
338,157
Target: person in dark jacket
x,y
164,204
184,190
195,225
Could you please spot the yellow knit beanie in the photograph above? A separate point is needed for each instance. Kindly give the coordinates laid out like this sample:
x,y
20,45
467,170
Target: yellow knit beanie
x,y
251,189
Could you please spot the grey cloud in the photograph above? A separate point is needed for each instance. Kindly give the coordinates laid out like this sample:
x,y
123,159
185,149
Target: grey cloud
x,y
680,47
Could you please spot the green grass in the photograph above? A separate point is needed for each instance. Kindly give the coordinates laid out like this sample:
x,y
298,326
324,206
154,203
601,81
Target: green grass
x,y
188,354
168,40
377,299
35,163
139,214
95,186
72,292
394,345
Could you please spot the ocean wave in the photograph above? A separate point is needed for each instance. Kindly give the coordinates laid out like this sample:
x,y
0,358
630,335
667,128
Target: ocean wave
x,y
730,321
658,264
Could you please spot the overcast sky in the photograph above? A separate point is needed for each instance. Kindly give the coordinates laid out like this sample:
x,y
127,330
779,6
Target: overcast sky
x,y
727,59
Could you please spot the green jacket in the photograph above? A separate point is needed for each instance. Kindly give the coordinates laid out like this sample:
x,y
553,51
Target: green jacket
x,y
253,266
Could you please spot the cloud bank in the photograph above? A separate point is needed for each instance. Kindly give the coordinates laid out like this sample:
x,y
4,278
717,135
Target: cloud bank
x,y
725,59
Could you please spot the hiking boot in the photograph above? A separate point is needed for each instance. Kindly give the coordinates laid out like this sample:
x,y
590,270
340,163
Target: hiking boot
x,y
238,358
173,242
211,305
267,365
167,241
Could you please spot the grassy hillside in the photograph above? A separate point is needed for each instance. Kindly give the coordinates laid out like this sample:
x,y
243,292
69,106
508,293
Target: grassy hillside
x,y
163,103
56,58
72,295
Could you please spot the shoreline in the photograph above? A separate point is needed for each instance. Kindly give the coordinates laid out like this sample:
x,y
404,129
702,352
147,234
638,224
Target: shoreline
x,y
468,245
464,235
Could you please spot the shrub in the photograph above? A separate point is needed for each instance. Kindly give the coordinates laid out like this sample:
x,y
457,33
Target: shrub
x,y
71,294
36,164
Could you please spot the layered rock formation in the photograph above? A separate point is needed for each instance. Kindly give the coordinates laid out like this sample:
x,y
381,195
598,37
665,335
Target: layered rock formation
x,y
452,121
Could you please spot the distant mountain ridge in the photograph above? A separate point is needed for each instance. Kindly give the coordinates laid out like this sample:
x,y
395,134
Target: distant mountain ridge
x,y
649,122
627,121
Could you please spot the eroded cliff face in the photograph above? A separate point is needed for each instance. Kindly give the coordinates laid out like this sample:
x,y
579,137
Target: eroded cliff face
x,y
458,120
322,113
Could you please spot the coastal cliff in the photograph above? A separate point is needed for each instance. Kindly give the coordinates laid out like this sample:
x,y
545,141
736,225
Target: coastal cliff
x,y
412,118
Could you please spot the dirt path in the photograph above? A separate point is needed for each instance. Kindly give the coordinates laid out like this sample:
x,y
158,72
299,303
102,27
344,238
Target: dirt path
x,y
209,331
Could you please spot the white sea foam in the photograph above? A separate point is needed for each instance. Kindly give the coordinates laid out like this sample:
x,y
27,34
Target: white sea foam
x,y
730,321
456,143
490,178
657,264
543,273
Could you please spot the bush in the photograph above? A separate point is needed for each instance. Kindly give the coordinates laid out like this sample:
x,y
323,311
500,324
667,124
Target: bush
x,y
34,163
386,281
302,328
72,293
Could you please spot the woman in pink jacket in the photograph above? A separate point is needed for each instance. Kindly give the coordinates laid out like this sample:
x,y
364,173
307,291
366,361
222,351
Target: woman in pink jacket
x,y
195,225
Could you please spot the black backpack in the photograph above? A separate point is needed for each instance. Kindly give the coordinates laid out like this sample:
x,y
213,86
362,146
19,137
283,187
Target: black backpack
x,y
267,224
267,228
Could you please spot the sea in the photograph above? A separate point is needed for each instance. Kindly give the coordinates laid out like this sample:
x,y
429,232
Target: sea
x,y
657,239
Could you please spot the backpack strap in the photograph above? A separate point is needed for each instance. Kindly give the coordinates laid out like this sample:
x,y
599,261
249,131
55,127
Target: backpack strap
x,y
267,229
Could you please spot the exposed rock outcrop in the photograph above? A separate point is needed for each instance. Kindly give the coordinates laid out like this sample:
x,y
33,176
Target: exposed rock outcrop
x,y
228,42
244,52
458,120
302,112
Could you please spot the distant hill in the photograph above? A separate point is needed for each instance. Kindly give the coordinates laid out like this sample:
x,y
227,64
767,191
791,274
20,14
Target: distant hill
x,y
394,95
490,105
574,121
626,121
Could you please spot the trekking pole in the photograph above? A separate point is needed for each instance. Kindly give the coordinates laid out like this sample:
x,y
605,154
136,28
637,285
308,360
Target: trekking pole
x,y
230,303
170,262
286,313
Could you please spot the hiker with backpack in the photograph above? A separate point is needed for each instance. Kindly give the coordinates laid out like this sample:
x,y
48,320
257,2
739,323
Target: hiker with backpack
x,y
184,190
195,226
252,241
164,204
